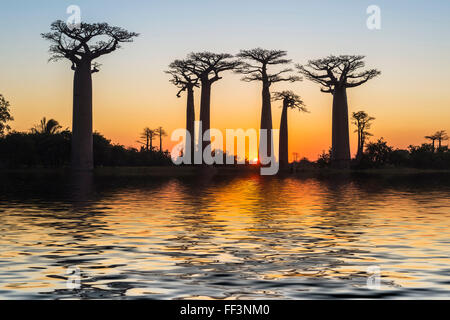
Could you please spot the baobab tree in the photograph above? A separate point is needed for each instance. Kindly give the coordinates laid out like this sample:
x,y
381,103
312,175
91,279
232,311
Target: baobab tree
x,y
185,80
160,132
81,46
433,138
207,66
441,136
363,123
254,66
5,115
290,101
336,74
148,135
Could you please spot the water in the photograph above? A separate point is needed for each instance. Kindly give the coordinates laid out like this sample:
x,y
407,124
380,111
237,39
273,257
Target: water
x,y
224,237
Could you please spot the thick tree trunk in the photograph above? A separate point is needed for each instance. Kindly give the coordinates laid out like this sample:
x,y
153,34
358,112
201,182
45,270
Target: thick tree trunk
x,y
283,148
82,142
190,120
266,119
340,135
205,113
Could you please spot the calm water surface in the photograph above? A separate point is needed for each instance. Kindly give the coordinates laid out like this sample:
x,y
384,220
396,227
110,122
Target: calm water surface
x,y
224,237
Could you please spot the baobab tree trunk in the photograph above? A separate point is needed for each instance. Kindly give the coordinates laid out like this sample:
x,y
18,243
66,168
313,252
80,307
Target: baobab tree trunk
x,y
283,151
205,113
82,141
266,119
190,120
340,135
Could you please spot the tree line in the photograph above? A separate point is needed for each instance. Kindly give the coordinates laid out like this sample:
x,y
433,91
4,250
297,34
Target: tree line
x,y
48,145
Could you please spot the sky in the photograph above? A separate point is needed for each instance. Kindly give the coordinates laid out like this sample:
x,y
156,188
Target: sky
x,y
409,100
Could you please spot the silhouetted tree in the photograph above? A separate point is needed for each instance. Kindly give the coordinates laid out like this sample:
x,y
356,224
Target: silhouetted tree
x,y
255,64
207,66
336,74
185,80
290,101
82,45
160,132
378,152
441,136
433,138
47,127
5,115
148,135
363,123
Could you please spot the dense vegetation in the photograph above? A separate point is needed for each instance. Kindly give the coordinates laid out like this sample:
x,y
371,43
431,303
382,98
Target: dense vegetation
x,y
380,155
41,149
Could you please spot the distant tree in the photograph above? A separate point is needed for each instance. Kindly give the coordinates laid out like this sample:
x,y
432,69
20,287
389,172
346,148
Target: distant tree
x,y
290,101
185,80
441,136
433,139
335,74
254,67
5,115
363,123
378,152
160,132
47,127
148,135
207,67
324,159
82,45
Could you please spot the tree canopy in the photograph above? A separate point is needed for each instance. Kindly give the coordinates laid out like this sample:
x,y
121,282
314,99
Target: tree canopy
x,y
338,72
5,115
292,100
255,62
88,41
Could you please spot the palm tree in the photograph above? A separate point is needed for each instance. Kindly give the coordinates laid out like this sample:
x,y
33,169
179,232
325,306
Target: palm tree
x,y
160,132
148,135
441,136
47,127
433,138
363,122
290,101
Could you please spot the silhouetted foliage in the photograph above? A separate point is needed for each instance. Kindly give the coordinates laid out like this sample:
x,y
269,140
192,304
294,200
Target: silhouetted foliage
x,y
324,160
254,66
81,45
47,127
363,123
336,74
32,149
290,101
5,115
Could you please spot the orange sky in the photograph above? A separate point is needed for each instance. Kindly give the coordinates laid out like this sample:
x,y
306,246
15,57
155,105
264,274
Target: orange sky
x,y
409,100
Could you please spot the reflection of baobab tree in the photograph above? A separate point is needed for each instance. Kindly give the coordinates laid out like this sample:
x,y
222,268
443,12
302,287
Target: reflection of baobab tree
x,y
81,46
336,74
256,63
290,101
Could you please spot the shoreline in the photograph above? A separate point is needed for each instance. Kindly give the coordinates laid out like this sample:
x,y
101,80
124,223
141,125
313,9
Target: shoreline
x,y
175,171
